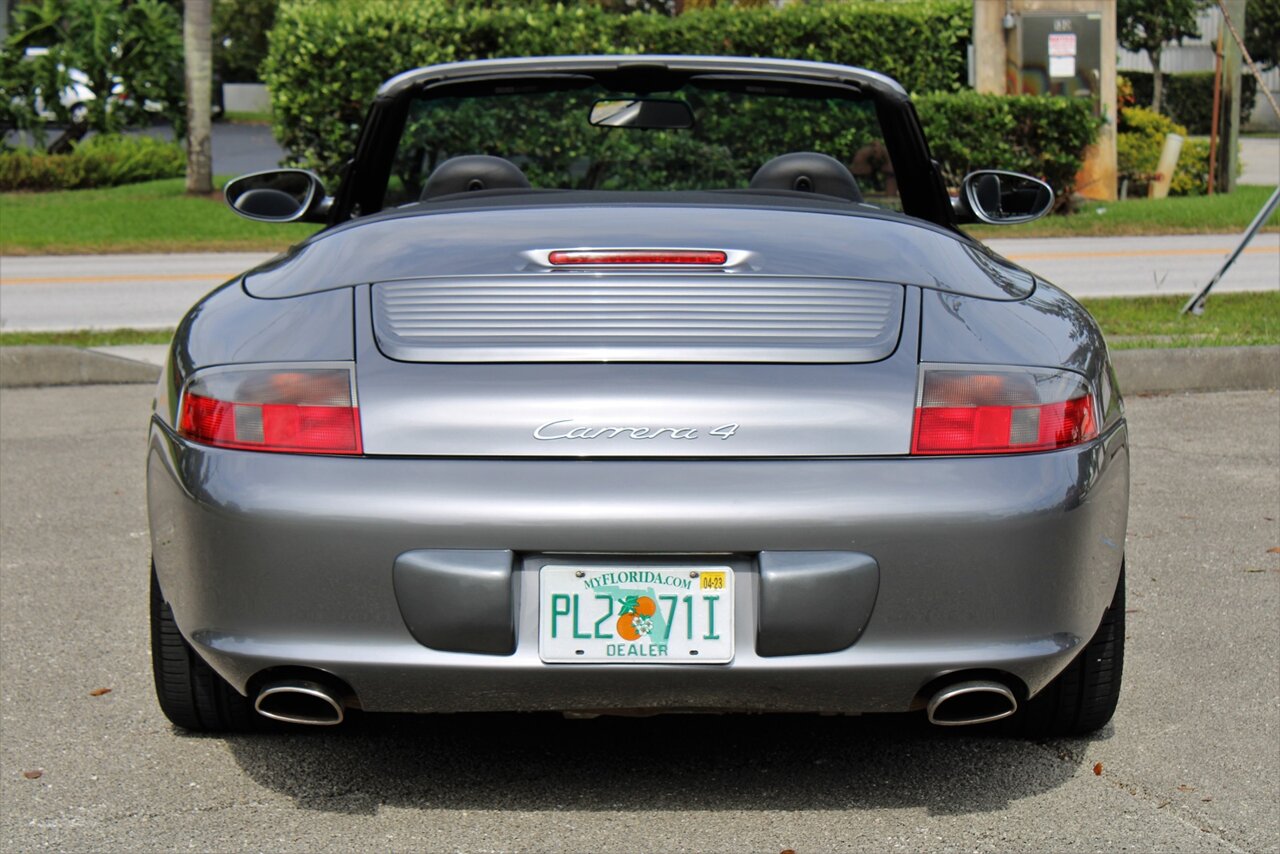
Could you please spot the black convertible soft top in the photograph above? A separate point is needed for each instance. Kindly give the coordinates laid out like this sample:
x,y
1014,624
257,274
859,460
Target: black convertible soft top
x,y
920,185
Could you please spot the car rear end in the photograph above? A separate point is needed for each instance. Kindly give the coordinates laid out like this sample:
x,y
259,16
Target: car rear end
x,y
641,485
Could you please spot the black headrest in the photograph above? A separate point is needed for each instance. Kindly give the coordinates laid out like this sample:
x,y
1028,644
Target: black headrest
x,y
474,172
808,172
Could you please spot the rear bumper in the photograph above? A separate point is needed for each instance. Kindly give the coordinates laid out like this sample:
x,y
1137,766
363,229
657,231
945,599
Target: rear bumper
x,y
997,564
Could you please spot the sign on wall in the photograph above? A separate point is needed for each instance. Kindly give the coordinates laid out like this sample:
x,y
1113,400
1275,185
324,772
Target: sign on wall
x,y
1060,54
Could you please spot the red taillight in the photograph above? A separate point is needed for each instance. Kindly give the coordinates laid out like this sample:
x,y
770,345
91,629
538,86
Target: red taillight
x,y
966,411
300,411
713,257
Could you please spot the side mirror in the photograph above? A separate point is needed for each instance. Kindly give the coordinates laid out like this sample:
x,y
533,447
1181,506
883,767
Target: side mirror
x,y
279,195
1002,198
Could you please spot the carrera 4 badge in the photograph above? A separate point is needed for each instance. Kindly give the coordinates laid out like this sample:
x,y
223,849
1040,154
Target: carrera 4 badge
x,y
567,429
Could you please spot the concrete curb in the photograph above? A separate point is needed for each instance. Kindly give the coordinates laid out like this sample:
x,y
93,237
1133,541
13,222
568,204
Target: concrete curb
x,y
1197,369
1140,371
23,367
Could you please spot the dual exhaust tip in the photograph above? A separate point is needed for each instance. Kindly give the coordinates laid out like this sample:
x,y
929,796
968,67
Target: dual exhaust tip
x,y
969,703
303,701
300,701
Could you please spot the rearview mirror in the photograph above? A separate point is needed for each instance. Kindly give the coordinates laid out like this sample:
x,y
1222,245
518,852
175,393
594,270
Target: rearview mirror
x,y
644,113
1002,198
279,195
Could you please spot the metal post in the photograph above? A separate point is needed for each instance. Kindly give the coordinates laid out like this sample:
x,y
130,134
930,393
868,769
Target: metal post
x,y
1195,305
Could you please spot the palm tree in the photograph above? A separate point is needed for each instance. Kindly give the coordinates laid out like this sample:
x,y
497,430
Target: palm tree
x,y
197,46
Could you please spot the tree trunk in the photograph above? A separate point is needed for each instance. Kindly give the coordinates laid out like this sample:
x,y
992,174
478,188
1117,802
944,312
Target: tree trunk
x,y
197,47
1157,81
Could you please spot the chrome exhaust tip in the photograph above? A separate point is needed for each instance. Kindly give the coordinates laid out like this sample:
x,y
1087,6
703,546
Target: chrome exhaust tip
x,y
299,702
968,703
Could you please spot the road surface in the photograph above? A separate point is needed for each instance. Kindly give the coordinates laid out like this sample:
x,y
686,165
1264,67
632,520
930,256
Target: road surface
x,y
1190,763
153,291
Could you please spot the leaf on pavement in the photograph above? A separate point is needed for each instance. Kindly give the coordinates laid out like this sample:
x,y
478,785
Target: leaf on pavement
x,y
33,774
1274,550
1097,769
98,692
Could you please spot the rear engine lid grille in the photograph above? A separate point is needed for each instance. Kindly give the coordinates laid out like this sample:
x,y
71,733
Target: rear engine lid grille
x,y
637,318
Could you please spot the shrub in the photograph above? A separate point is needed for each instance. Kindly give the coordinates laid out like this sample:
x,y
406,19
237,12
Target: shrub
x,y
1139,141
240,30
132,49
327,59
1036,134
99,161
1188,97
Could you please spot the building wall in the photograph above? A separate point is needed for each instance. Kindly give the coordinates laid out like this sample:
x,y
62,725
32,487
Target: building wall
x,y
994,70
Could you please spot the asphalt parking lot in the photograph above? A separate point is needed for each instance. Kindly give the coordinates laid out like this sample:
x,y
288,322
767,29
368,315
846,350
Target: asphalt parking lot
x,y
1191,762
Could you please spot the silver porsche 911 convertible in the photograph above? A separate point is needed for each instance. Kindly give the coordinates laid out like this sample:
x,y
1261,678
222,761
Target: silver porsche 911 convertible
x,y
631,384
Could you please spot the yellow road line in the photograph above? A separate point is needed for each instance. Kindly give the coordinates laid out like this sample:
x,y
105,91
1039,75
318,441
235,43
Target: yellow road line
x,y
89,280
1138,253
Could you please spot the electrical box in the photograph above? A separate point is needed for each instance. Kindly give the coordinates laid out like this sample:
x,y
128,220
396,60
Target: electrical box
x,y
1060,54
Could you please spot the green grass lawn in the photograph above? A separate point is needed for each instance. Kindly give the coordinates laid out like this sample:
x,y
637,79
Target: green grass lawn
x,y
154,216
1131,323
86,337
158,216
233,117
1128,322
1180,215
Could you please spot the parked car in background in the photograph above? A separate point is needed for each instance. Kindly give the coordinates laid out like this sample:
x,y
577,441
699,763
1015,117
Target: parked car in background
x,y
631,384
75,97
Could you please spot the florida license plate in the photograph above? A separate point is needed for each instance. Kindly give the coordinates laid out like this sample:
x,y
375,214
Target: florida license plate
x,y
642,615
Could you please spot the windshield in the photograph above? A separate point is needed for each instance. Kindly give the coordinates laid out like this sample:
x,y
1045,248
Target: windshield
x,y
705,135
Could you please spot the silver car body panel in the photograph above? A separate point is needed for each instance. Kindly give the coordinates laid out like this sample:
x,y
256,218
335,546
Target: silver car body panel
x,y
494,236
611,409
590,316
515,66
994,564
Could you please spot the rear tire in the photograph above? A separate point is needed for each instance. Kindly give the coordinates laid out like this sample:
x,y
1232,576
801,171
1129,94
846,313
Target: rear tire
x,y
1083,697
191,693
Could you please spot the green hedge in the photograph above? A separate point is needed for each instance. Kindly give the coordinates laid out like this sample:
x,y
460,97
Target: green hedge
x,y
99,161
1036,134
1188,97
326,59
1139,141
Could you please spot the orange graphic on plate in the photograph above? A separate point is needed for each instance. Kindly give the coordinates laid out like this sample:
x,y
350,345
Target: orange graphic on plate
x,y
637,617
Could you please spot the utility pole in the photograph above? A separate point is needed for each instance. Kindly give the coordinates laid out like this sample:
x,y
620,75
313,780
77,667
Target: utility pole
x,y
1229,115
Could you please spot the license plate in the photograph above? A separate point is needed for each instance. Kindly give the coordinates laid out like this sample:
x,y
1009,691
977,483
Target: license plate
x,y
640,615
